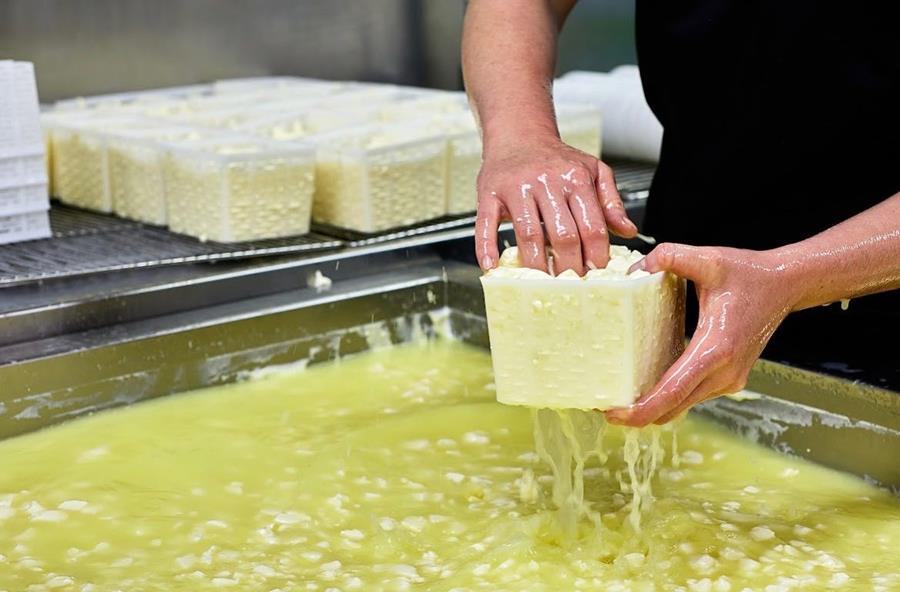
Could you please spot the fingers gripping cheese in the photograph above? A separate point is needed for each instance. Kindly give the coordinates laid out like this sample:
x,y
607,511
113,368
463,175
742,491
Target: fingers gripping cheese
x,y
592,342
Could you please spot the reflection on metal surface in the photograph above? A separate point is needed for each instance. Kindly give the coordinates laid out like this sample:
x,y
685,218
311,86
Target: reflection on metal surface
x,y
841,424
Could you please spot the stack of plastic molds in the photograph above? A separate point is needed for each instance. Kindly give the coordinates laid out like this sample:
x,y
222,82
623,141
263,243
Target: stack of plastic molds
x,y
378,177
238,188
23,174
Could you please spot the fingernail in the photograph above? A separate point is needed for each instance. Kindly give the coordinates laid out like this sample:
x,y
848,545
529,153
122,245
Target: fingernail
x,y
615,418
631,225
487,263
639,266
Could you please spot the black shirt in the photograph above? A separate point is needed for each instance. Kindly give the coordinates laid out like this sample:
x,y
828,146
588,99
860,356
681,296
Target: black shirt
x,y
781,119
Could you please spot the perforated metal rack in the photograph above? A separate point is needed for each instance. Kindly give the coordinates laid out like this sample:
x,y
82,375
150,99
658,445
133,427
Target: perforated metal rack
x,y
632,178
85,243
360,239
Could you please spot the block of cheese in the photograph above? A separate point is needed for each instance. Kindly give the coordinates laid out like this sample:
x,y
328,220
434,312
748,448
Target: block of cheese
x,y
378,177
135,100
239,189
592,342
79,157
134,160
77,143
463,159
424,103
288,119
19,122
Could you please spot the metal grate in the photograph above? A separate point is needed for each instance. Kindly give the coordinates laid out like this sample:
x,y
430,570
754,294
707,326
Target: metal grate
x,y
359,239
633,178
85,243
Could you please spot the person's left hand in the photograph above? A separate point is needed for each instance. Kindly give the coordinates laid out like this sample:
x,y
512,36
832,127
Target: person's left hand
x,y
744,296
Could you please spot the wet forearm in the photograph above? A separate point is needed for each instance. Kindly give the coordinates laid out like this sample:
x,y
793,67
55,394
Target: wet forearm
x,y
856,257
509,55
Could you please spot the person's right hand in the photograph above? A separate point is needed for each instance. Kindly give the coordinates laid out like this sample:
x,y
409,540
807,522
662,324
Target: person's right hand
x,y
573,193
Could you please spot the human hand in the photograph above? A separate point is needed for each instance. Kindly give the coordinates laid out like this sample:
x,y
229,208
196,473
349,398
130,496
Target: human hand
x,y
744,296
572,192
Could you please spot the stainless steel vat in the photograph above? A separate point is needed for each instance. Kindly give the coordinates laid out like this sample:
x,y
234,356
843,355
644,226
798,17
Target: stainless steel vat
x,y
209,330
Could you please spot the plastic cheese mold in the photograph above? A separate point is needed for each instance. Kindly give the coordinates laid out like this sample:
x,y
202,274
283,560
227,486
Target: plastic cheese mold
x,y
78,159
463,159
135,166
239,190
595,342
579,127
424,103
377,177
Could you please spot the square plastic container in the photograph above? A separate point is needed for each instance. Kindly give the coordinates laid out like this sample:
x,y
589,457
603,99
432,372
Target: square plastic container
x,y
20,131
379,177
280,127
592,342
134,161
463,162
79,163
239,188
24,199
24,227
293,122
133,100
579,127
424,103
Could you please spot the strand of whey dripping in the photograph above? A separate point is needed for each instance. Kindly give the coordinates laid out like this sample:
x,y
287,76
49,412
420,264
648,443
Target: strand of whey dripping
x,y
561,437
567,439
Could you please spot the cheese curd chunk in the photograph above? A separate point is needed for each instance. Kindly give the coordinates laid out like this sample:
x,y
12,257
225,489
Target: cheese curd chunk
x,y
592,342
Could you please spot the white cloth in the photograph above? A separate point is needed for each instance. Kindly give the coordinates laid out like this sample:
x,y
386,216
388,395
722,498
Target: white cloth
x,y
630,129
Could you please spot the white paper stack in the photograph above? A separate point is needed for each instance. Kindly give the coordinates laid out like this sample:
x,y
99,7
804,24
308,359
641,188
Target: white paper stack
x,y
23,174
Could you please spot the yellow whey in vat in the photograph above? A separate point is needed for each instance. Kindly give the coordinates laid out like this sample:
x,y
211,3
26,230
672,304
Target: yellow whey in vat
x,y
397,470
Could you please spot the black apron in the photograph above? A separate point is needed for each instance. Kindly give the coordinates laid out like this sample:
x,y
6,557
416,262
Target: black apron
x,y
781,119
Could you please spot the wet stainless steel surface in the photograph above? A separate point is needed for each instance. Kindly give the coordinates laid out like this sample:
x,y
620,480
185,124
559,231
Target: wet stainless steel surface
x,y
269,315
